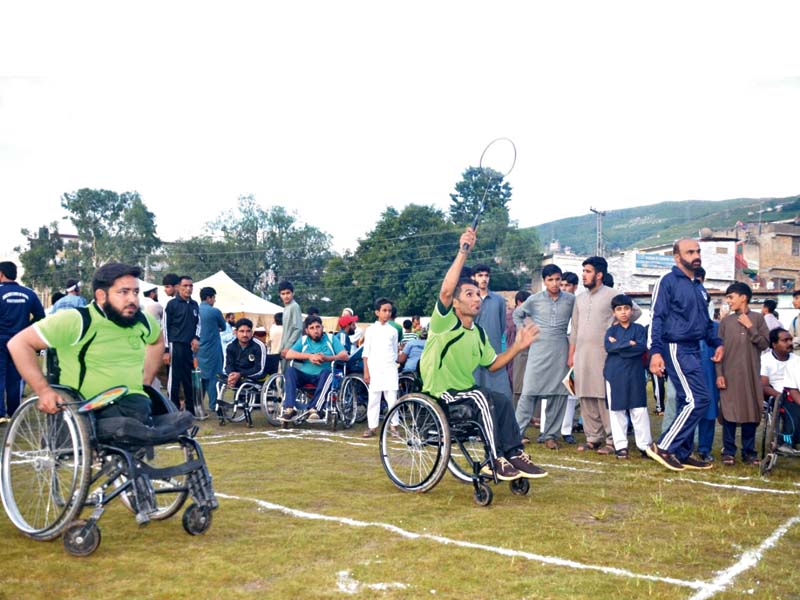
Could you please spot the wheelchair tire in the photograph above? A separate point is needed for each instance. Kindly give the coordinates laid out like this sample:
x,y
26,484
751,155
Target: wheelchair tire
x,y
460,463
272,393
483,495
80,540
407,383
167,504
349,405
196,519
416,458
46,469
769,440
520,487
355,386
227,408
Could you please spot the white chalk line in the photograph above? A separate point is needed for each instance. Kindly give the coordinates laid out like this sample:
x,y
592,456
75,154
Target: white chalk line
x,y
724,579
728,486
345,583
549,560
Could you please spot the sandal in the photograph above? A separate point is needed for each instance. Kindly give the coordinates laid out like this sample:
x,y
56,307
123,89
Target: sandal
x,y
368,433
622,454
752,460
588,446
606,450
728,460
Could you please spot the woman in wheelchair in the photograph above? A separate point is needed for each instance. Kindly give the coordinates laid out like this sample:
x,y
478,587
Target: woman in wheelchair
x,y
107,344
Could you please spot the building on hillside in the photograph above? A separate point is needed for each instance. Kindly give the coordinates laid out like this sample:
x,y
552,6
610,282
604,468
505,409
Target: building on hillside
x,y
767,254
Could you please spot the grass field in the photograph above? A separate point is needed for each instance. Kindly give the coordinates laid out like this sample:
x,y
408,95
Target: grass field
x,y
306,513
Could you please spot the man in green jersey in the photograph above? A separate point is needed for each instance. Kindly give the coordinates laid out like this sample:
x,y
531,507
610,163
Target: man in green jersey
x,y
456,347
108,343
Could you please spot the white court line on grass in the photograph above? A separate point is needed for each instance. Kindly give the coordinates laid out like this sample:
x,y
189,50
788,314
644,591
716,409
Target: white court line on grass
x,y
744,488
550,560
749,559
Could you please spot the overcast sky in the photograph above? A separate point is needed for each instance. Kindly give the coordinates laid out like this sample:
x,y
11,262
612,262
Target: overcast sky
x,y
340,109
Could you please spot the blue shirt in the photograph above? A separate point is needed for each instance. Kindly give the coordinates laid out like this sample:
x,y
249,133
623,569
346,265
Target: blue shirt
x,y
413,350
327,346
19,307
69,301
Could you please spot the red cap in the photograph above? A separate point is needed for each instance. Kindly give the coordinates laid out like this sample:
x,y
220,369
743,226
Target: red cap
x,y
346,320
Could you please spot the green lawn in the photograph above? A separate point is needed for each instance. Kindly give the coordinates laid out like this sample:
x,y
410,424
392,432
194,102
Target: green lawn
x,y
306,513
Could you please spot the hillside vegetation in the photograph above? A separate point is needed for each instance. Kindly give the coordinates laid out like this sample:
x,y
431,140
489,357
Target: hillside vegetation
x,y
643,226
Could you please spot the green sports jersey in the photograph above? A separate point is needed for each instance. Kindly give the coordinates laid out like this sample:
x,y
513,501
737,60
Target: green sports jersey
x,y
452,353
94,353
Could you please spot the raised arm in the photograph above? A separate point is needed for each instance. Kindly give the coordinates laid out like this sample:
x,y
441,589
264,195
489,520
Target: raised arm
x,y
454,272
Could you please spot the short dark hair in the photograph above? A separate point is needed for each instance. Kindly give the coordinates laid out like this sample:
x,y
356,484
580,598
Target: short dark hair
x,y
229,315
549,270
570,277
481,268
278,317
608,280
394,310
243,321
9,269
740,288
314,310
285,285
207,292
106,275
407,324
182,277
381,301
598,263
775,334
521,296
796,292
310,320
461,283
770,305
621,300
170,279
466,272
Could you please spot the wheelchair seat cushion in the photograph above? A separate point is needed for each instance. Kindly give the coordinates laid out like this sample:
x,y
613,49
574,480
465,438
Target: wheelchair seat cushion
x,y
126,430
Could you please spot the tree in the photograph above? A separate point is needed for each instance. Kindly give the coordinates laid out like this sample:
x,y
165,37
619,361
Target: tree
x,y
475,185
403,258
257,248
111,226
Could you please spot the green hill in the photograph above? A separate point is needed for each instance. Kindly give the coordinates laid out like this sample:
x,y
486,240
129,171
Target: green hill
x,y
644,226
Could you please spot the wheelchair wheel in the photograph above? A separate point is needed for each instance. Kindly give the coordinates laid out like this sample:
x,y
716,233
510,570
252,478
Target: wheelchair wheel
x,y
227,406
520,487
272,398
359,392
81,539
769,440
464,452
407,383
46,469
167,502
350,405
483,495
196,519
415,460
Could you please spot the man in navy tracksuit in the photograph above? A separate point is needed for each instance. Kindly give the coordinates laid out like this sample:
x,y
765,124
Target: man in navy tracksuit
x,y
679,321
182,336
19,307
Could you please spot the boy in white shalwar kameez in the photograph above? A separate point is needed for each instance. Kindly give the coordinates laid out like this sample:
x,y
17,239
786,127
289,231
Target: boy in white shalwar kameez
x,y
380,364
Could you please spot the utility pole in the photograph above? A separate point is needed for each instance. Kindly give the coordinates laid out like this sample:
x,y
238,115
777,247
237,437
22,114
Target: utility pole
x,y
599,248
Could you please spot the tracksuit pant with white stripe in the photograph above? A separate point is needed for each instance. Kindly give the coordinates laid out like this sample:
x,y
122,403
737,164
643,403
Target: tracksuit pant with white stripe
x,y
293,377
685,372
497,417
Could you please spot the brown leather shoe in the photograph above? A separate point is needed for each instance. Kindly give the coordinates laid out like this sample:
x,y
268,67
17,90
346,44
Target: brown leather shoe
x,y
551,444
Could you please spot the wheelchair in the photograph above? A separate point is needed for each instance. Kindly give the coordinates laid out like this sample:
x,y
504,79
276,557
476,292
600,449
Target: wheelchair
x,y
236,404
432,438
54,466
778,431
336,407
355,390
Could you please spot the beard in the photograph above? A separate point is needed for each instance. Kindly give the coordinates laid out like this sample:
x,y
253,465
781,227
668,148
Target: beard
x,y
691,266
118,318
591,285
